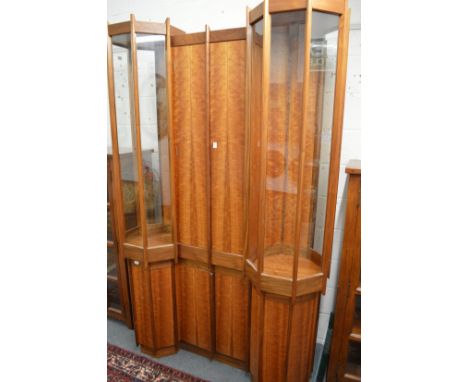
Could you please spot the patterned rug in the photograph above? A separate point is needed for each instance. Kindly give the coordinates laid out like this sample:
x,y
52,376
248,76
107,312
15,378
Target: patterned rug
x,y
125,366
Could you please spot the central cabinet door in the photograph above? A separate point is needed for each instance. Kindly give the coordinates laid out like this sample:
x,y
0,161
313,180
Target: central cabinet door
x,y
227,126
193,274
209,124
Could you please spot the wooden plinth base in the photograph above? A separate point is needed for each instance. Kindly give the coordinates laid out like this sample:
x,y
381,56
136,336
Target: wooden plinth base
x,y
282,336
218,357
153,301
213,312
160,352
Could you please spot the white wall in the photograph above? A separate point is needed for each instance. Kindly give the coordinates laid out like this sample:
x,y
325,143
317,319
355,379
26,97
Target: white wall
x,y
192,15
189,15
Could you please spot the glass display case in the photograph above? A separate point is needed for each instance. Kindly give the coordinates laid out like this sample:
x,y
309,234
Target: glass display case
x,y
143,154
141,132
297,69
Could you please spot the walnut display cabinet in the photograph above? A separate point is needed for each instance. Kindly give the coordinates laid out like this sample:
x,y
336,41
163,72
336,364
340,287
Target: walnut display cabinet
x,y
296,75
139,98
226,150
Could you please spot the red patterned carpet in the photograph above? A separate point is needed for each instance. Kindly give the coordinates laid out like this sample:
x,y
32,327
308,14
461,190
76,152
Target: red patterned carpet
x,y
125,366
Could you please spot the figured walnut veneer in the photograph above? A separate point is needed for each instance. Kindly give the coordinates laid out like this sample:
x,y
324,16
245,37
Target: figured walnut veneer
x,y
154,321
275,355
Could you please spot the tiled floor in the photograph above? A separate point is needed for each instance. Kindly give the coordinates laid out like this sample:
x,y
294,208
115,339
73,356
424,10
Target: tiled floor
x,y
118,334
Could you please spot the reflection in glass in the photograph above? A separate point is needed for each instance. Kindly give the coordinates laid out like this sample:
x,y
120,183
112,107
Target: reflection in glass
x,y
283,140
153,106
126,135
319,123
153,113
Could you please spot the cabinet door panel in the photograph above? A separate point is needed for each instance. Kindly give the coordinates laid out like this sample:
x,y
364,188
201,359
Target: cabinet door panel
x,y
163,307
193,302
141,309
231,314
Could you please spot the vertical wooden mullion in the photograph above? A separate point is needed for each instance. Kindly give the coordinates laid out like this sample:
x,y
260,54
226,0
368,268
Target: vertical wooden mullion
x,y
136,106
136,113
208,142
208,190
248,76
264,127
172,158
171,143
297,231
263,151
120,225
338,112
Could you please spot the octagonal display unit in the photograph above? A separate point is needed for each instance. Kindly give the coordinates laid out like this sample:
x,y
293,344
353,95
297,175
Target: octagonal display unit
x,y
296,71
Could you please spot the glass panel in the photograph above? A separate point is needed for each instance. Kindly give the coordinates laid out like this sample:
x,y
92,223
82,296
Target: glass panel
x,y
283,140
126,134
255,129
152,87
113,296
319,114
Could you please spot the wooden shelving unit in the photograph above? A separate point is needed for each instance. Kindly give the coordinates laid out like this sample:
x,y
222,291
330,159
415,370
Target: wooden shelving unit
x,y
345,355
